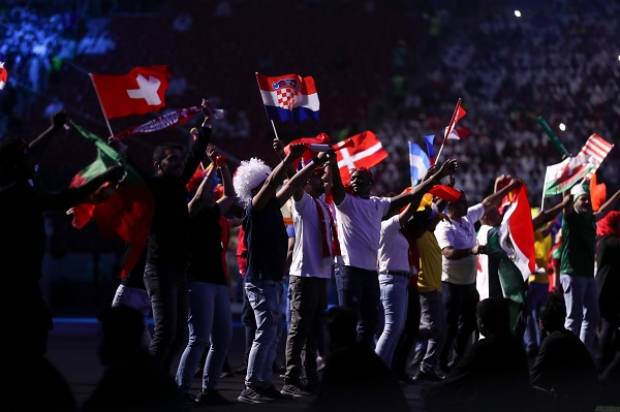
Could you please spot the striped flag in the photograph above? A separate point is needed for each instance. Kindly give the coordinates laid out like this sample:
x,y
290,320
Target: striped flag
x,y
418,163
595,150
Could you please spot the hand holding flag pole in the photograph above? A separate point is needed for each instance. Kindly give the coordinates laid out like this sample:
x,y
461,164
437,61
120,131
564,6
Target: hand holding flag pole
x,y
450,127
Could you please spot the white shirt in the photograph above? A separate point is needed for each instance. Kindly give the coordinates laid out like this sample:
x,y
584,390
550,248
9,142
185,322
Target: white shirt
x,y
359,226
393,247
459,234
308,259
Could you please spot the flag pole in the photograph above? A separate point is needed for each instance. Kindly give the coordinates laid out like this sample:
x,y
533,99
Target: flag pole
x,y
552,136
447,131
275,132
273,125
107,122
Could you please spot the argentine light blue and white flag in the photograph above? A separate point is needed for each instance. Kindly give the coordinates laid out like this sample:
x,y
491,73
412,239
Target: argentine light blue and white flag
x,y
418,163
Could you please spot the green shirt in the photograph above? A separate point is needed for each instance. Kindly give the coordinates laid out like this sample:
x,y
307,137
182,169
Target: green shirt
x,y
578,241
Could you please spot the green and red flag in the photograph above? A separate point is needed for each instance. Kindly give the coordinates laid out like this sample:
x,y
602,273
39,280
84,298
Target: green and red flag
x,y
126,212
560,177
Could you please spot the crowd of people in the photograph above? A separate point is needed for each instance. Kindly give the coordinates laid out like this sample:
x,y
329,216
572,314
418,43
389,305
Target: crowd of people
x,y
406,269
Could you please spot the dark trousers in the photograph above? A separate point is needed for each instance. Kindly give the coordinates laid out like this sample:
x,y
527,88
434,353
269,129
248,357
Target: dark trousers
x,y
359,291
410,333
167,288
249,323
460,306
308,303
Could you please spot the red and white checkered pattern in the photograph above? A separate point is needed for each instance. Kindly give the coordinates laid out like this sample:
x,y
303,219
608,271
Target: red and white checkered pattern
x,y
596,150
287,97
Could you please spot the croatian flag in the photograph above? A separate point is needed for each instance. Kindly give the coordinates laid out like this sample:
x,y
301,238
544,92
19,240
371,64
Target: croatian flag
x,y
418,162
289,97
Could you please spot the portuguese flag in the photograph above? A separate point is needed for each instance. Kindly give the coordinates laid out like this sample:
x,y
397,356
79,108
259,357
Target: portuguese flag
x,y
124,213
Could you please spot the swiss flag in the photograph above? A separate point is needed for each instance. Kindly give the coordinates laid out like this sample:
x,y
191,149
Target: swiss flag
x,y
362,150
140,91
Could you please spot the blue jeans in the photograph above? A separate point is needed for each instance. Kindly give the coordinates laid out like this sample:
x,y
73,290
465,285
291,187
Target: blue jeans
x,y
210,321
358,290
264,297
536,297
432,327
393,289
582,313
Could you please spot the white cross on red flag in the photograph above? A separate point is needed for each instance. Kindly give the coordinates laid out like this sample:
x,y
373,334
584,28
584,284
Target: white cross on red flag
x,y
140,91
363,150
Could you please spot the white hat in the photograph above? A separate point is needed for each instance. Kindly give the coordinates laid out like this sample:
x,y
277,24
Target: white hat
x,y
249,175
580,190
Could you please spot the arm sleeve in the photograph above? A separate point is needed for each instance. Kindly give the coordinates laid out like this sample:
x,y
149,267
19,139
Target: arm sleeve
x,y
443,233
196,153
475,213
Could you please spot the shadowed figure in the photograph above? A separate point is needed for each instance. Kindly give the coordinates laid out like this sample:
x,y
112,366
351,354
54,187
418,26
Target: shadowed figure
x,y
132,380
355,378
493,374
564,365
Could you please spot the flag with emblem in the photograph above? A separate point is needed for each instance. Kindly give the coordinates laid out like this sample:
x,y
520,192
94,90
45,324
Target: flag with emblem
x,y
595,150
124,213
140,91
560,177
363,150
289,97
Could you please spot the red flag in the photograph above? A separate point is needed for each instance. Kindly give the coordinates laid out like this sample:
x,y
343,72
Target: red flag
x,y
125,213
4,76
362,150
457,115
446,193
140,91
519,230
321,138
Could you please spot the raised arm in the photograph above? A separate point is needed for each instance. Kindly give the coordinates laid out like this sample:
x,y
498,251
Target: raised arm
x,y
607,206
338,192
493,200
275,179
294,186
199,145
203,191
546,216
226,201
433,176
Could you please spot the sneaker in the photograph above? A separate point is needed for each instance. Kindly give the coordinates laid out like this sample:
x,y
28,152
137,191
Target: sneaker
x,y
252,396
294,391
212,397
430,376
273,393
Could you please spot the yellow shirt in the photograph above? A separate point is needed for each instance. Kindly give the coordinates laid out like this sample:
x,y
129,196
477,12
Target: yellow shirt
x,y
542,246
429,277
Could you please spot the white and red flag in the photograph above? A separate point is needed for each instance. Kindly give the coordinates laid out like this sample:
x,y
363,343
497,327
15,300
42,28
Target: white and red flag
x,y
363,150
4,76
140,91
457,115
595,150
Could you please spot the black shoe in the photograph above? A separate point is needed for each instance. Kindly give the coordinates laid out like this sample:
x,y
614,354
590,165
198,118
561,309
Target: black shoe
x,y
252,396
212,397
273,393
430,376
294,391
